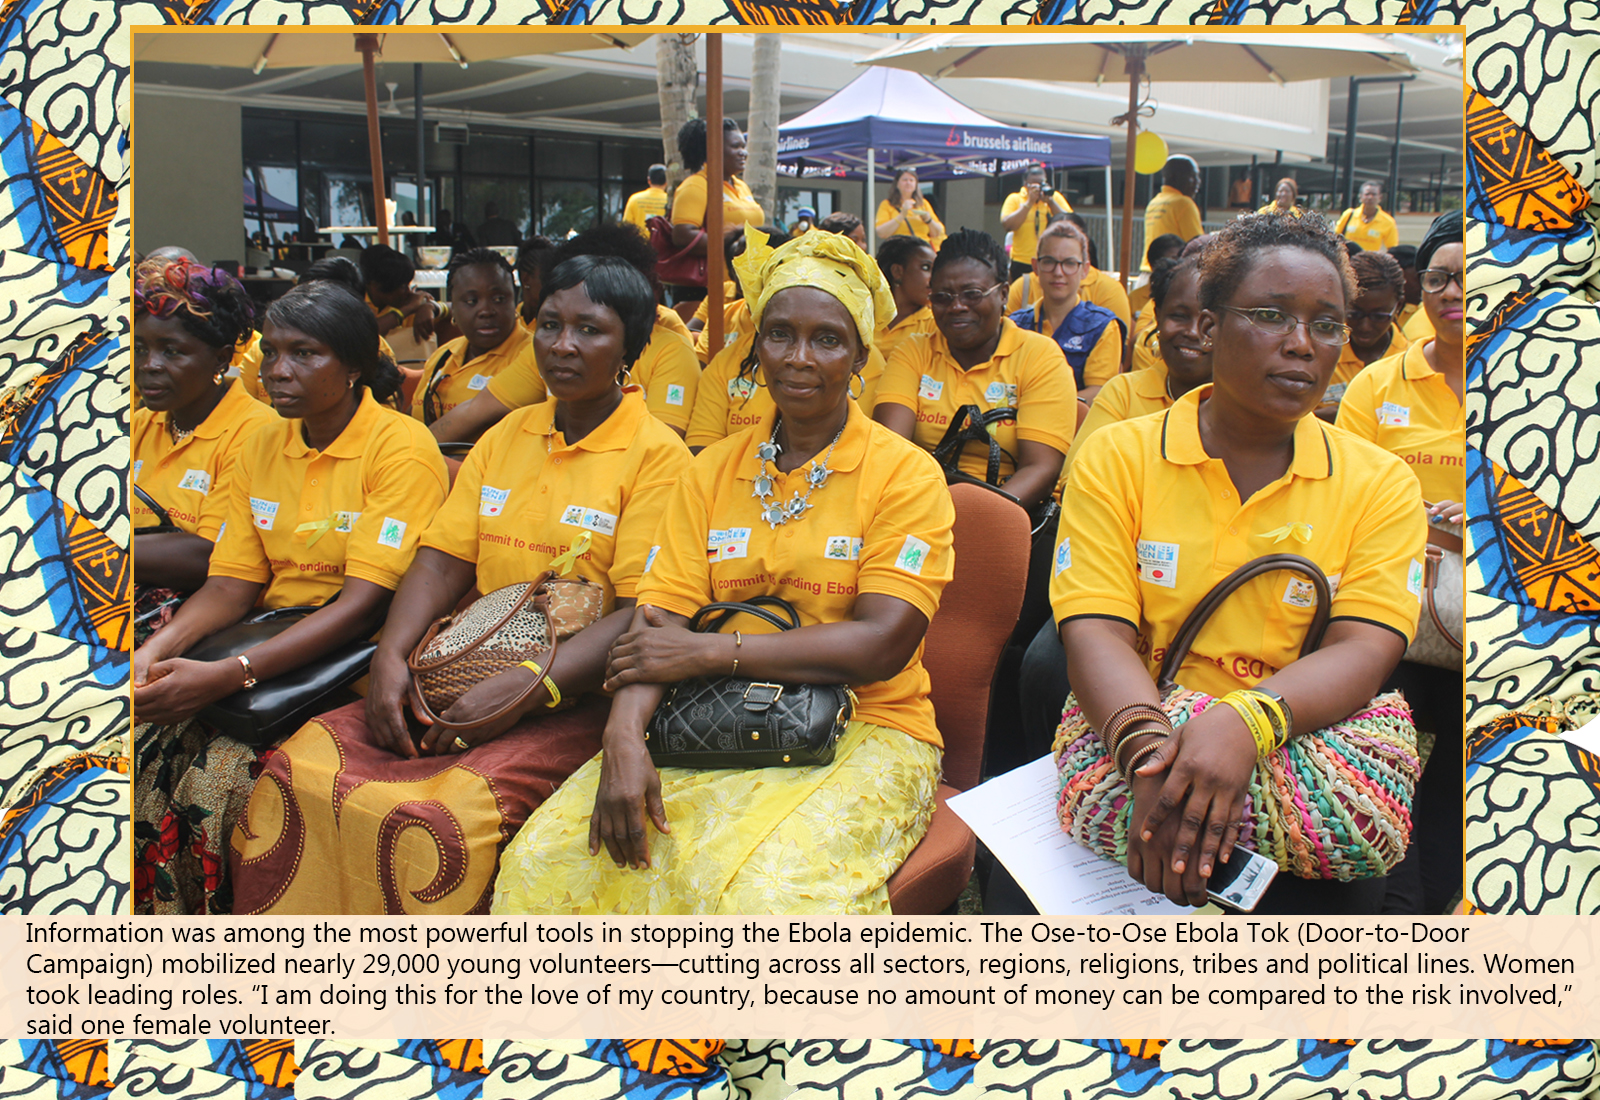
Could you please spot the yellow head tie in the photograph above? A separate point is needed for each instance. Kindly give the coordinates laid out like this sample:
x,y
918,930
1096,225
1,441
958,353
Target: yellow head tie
x,y
829,262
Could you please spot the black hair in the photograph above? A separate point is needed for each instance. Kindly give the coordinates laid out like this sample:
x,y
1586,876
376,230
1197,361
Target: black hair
x,y
613,282
473,257
1233,251
840,222
1165,271
1369,183
1378,271
1445,229
389,269
327,312
1033,168
1168,244
1077,219
972,244
532,255
338,270
692,141
658,175
622,241
1404,254
898,250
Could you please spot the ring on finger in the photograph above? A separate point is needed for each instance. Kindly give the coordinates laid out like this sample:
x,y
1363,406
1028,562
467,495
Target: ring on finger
x,y
460,745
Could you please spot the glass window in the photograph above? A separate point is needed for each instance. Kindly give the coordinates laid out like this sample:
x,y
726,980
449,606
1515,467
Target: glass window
x,y
508,222
629,162
335,145
614,199
565,158
500,154
566,206
268,140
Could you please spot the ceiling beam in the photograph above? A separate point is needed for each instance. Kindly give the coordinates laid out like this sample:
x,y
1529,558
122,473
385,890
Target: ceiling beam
x,y
496,87
603,107
293,80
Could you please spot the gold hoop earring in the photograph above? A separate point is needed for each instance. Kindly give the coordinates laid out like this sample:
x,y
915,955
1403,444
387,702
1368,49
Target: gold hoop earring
x,y
625,377
856,377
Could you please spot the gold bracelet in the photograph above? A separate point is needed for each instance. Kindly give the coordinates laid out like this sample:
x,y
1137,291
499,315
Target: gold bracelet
x,y
1140,755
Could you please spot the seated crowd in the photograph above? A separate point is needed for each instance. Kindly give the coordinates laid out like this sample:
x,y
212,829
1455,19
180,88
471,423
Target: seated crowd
x,y
566,432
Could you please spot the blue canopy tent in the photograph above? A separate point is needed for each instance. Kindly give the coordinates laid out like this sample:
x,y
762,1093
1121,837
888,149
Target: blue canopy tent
x,y
888,119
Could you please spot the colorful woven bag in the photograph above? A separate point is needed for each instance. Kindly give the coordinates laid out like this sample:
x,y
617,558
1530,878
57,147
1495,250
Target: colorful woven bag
x,y
1332,804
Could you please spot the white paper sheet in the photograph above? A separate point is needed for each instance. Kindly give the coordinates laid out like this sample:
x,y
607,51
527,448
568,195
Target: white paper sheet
x,y
1015,816
1586,737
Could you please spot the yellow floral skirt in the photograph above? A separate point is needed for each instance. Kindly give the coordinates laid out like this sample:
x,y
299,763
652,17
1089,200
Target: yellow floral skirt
x,y
761,840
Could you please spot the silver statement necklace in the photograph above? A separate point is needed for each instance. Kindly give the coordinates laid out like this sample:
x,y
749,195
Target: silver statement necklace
x,y
777,512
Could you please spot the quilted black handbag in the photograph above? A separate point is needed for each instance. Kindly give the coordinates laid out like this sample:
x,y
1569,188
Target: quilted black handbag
x,y
267,713
731,722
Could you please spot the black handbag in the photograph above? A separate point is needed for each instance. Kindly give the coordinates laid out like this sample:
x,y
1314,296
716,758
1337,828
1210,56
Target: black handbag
x,y
971,425
732,722
267,713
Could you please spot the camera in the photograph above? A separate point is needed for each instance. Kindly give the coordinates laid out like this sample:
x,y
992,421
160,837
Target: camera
x,y
1045,190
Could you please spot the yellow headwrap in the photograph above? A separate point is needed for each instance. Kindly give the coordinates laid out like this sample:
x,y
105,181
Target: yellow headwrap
x,y
827,261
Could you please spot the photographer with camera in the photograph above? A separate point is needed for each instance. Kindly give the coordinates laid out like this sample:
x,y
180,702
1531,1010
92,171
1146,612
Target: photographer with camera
x,y
1025,215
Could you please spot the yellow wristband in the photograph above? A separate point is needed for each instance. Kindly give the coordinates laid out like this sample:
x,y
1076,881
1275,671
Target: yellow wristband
x,y
549,685
1255,720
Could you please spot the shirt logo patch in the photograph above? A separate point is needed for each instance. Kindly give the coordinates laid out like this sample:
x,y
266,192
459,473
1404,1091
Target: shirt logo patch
x,y
345,521
1158,563
477,382
573,516
1391,415
138,464
492,501
264,512
392,533
930,390
1300,593
1414,579
650,558
675,395
1063,556
223,530
1334,394
994,392
741,387
603,523
1074,343
198,480
843,548
728,544
913,555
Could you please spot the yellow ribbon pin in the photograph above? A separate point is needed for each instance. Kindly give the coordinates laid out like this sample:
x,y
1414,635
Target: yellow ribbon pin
x,y
320,526
580,547
1300,532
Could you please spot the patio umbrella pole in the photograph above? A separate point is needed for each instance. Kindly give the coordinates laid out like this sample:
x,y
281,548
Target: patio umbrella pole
x,y
714,197
368,45
1134,60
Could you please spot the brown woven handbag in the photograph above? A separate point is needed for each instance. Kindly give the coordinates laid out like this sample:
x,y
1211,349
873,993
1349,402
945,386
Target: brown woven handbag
x,y
498,632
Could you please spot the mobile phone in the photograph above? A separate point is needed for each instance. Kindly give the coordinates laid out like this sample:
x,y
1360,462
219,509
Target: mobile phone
x,y
1242,880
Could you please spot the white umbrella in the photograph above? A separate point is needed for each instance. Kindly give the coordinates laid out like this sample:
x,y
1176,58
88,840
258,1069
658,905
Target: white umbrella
x,y
1193,55
301,47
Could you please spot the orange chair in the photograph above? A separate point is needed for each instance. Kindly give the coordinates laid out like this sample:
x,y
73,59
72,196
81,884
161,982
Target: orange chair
x,y
977,613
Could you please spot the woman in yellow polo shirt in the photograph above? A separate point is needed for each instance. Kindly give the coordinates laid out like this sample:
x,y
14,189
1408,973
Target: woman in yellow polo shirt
x,y
192,420
327,501
908,212
1410,404
1380,292
851,525
978,356
907,262
1158,509
1285,199
576,483
689,200
483,306
1090,336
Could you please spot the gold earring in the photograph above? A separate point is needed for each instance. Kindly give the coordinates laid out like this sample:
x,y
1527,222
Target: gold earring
x,y
855,377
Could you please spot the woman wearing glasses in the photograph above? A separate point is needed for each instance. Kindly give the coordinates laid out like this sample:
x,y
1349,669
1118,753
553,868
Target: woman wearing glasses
x,y
1380,292
1158,509
1090,336
977,356
1410,405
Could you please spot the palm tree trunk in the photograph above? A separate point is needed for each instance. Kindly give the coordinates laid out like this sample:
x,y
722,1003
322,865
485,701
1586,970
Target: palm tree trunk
x,y
761,170
678,77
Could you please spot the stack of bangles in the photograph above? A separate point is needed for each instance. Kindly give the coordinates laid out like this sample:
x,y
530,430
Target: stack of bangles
x,y
1266,716
1134,720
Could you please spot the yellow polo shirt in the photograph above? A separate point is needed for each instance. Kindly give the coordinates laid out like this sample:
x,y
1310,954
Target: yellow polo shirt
x,y
1147,353
880,524
727,404
1374,236
1025,237
919,228
454,379
524,496
643,205
300,521
1350,366
736,321
190,479
889,338
738,204
1294,211
1407,408
1028,371
667,318
1417,326
1126,396
1154,524
1170,212
1096,288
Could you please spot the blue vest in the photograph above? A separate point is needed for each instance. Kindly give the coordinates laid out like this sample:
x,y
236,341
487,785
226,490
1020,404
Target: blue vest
x,y
1077,335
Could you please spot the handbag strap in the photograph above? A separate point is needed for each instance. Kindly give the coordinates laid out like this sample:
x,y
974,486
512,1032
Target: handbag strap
x,y
1433,556
753,607
150,502
971,425
545,661
415,662
1249,571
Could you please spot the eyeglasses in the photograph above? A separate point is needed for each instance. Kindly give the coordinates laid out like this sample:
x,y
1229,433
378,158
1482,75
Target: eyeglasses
x,y
1048,265
1279,323
1356,316
969,297
1435,279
